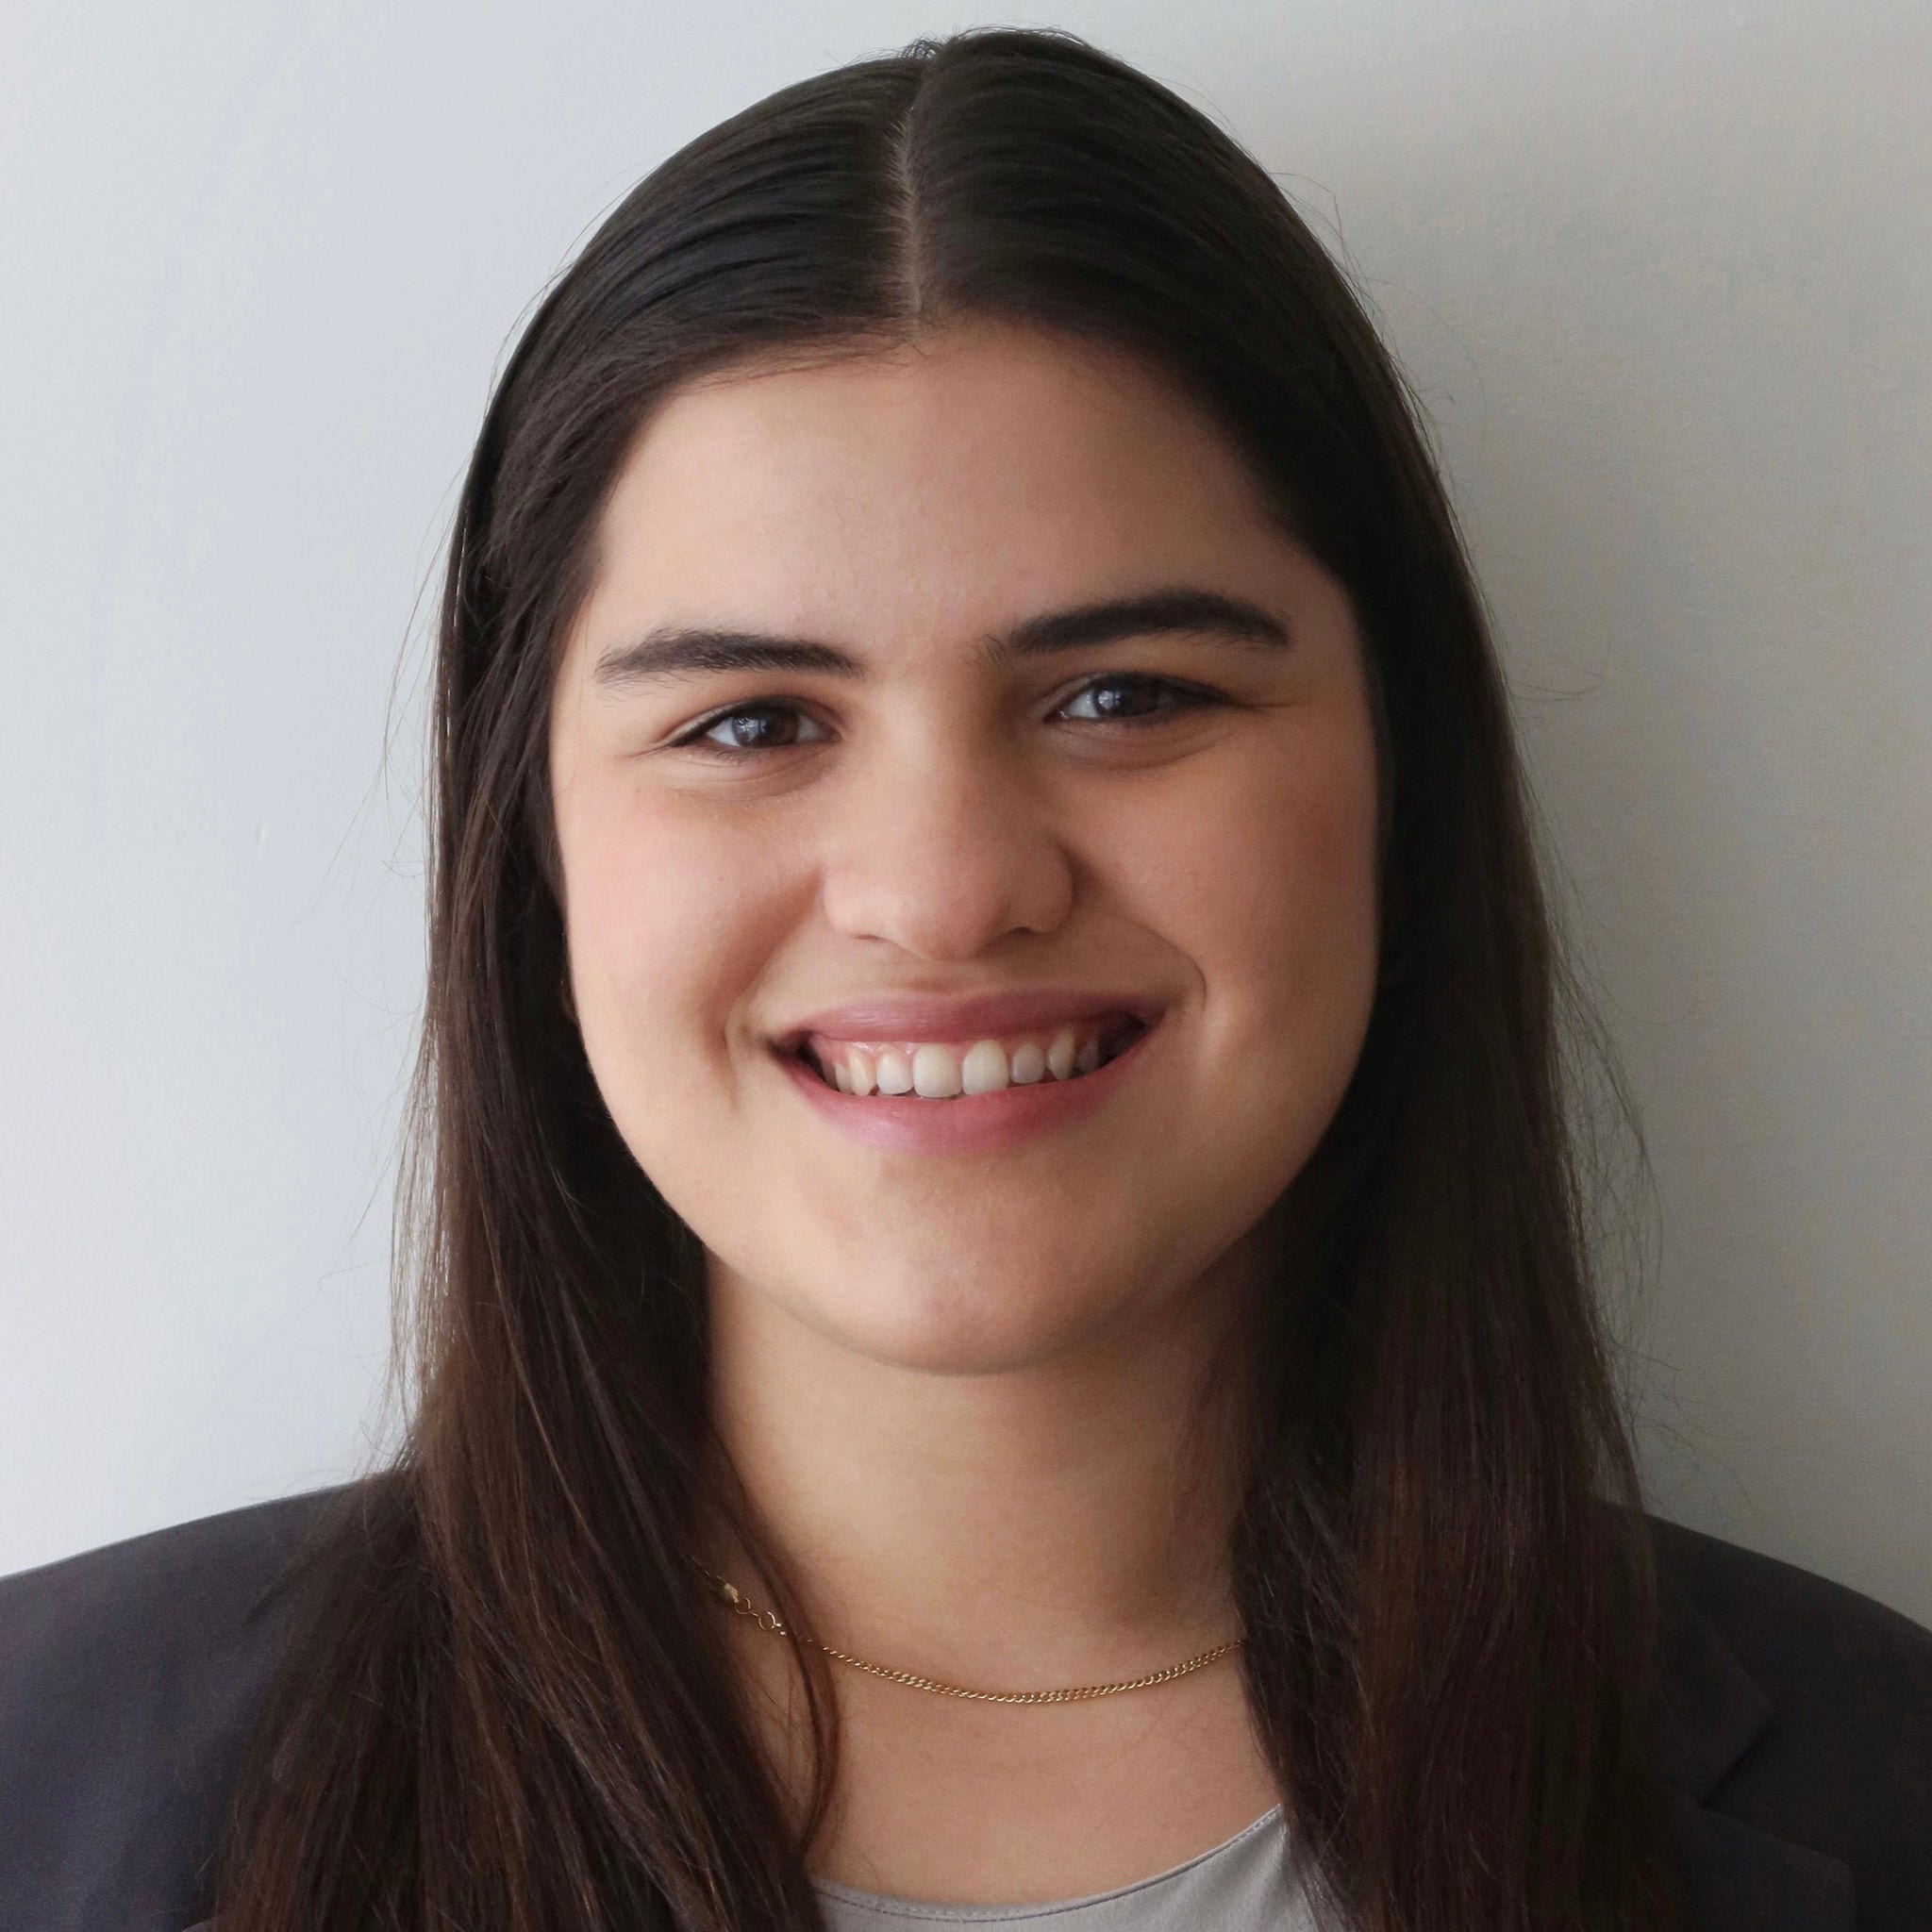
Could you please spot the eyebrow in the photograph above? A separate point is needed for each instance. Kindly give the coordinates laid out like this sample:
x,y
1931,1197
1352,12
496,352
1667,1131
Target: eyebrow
x,y
684,650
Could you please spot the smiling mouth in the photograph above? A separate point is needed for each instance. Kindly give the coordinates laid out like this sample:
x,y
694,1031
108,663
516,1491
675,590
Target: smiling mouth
x,y
958,1069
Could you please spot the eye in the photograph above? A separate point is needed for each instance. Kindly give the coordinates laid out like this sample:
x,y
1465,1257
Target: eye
x,y
765,724
1136,697
769,724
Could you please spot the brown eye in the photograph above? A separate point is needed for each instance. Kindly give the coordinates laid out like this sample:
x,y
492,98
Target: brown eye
x,y
753,728
1132,697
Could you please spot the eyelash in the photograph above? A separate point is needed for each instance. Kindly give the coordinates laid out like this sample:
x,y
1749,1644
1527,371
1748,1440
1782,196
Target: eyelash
x,y
1185,697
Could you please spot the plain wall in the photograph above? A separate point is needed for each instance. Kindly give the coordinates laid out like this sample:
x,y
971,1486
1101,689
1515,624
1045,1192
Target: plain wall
x,y
1663,277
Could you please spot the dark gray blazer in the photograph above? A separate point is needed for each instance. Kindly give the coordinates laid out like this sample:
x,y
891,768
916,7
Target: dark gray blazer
x,y
1798,1754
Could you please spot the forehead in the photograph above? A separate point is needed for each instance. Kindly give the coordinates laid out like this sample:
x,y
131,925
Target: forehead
x,y
989,469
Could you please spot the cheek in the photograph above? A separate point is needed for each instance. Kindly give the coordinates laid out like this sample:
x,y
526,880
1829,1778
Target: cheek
x,y
1264,876
669,926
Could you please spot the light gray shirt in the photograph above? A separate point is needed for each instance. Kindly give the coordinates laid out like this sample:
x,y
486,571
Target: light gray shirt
x,y
1242,1886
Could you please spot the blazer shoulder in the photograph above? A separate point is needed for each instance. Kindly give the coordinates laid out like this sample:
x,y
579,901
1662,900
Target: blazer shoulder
x,y
1829,1697
131,1676
1795,1629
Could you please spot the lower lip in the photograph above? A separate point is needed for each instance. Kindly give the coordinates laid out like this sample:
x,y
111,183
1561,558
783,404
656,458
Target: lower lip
x,y
969,1123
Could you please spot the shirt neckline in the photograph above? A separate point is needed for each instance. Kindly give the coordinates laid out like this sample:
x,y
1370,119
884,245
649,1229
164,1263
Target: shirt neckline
x,y
886,1903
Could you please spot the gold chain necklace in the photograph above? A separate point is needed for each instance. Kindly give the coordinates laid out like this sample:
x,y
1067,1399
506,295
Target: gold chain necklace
x,y
734,1599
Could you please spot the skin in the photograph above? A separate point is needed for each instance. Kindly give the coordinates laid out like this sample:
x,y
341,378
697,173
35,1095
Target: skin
x,y
964,1392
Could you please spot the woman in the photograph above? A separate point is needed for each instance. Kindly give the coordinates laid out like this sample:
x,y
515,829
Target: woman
x,y
1004,1324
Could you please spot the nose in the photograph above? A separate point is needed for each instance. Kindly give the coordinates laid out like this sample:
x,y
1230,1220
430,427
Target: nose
x,y
944,851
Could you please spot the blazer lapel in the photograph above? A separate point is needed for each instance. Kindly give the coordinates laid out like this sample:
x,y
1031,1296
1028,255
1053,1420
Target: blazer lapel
x,y
1737,1877
1740,1879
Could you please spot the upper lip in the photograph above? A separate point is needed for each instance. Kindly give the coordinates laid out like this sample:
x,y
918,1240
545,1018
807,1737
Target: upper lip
x,y
927,1016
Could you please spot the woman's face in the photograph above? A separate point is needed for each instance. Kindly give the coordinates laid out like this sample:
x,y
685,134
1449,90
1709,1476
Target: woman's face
x,y
896,781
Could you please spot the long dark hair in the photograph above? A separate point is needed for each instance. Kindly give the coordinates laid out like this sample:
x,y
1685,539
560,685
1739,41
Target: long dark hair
x,y
507,1703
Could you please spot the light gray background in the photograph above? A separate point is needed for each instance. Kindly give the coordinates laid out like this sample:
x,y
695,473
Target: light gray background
x,y
1663,277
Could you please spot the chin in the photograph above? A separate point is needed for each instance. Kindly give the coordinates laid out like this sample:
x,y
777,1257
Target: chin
x,y
938,1322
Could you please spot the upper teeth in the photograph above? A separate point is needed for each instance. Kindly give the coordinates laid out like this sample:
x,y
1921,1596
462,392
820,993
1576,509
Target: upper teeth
x,y
937,1070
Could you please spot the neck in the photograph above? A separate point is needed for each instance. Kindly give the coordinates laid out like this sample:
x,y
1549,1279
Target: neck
x,y
1064,1522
